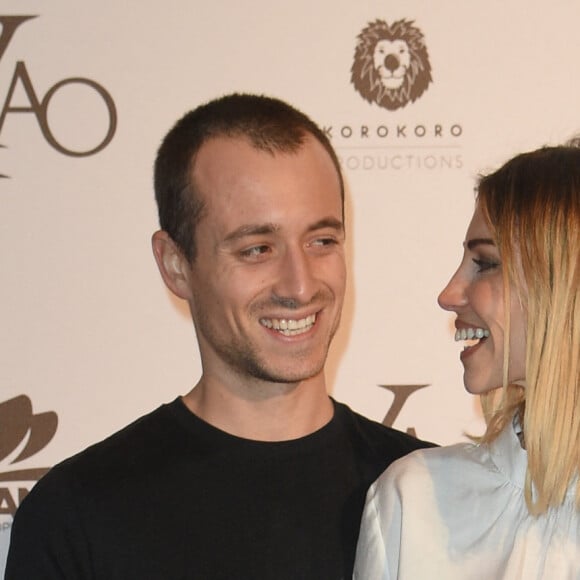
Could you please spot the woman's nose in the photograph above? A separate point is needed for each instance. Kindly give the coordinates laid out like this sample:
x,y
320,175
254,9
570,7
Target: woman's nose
x,y
453,296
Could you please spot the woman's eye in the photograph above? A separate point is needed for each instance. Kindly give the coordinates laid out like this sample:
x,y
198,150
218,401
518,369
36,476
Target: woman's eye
x,y
484,265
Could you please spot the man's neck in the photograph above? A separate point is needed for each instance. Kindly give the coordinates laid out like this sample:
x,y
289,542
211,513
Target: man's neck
x,y
263,411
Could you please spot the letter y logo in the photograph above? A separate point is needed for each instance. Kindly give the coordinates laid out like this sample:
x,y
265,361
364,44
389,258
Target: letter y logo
x,y
9,26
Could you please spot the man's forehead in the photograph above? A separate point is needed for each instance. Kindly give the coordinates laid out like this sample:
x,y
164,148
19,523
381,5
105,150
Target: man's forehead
x,y
231,176
223,155
217,145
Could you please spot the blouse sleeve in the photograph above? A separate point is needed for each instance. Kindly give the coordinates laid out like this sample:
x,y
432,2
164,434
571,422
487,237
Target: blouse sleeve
x,y
379,541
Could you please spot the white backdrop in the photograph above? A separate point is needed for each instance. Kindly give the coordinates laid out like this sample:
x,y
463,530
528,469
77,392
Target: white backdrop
x,y
87,329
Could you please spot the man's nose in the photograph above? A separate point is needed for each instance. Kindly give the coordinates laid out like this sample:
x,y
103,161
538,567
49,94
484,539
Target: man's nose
x,y
295,277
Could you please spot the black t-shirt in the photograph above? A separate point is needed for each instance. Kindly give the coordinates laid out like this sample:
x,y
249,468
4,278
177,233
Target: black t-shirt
x,y
171,497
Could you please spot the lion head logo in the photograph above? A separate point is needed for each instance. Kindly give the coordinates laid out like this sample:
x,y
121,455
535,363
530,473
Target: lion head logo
x,y
391,65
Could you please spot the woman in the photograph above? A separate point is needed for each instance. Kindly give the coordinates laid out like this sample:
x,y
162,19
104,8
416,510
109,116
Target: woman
x,y
507,506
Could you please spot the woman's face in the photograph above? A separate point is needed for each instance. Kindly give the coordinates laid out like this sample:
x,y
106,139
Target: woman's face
x,y
475,294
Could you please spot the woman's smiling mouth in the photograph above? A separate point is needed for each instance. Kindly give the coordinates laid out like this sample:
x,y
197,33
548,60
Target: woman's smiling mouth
x,y
473,336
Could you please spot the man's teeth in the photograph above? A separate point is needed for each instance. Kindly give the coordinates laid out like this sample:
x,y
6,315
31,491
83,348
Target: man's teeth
x,y
289,326
470,333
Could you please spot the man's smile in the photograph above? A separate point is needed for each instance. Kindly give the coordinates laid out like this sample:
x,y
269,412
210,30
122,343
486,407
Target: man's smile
x,y
289,326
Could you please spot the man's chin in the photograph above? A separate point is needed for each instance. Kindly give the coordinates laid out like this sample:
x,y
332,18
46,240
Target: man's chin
x,y
288,376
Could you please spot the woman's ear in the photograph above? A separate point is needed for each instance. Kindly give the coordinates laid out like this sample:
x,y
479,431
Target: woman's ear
x,y
173,265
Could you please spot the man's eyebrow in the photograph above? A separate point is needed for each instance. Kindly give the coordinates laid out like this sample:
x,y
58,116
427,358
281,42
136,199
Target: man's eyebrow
x,y
328,222
474,242
270,228
251,230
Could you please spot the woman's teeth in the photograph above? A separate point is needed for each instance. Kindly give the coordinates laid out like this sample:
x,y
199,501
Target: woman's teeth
x,y
470,334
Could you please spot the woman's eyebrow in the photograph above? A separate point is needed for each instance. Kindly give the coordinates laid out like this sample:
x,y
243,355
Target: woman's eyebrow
x,y
474,242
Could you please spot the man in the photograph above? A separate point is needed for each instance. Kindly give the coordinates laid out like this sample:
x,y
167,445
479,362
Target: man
x,y
256,473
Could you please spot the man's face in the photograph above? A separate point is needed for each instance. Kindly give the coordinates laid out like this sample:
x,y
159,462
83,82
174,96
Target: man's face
x,y
268,280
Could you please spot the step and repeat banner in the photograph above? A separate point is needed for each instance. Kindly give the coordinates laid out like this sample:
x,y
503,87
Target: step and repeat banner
x,y
89,336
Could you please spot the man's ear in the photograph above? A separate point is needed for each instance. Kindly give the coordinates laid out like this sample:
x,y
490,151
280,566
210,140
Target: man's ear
x,y
173,265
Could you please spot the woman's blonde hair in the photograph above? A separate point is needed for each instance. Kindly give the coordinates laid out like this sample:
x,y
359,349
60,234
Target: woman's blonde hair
x,y
532,205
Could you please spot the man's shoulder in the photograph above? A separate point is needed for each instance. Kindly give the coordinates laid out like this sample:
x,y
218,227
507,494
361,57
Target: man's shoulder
x,y
120,452
378,439
145,429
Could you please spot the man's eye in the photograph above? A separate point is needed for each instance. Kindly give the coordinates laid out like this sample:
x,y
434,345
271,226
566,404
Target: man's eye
x,y
254,251
324,242
484,265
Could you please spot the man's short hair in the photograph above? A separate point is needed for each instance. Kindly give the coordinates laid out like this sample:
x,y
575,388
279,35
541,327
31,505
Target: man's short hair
x,y
269,125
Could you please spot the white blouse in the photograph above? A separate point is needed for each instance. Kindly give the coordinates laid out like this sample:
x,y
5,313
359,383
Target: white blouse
x,y
459,512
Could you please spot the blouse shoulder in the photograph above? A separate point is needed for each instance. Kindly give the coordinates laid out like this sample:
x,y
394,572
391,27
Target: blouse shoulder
x,y
415,469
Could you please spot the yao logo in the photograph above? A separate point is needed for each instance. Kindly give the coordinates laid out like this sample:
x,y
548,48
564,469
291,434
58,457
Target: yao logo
x,y
391,65
39,106
401,393
22,435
